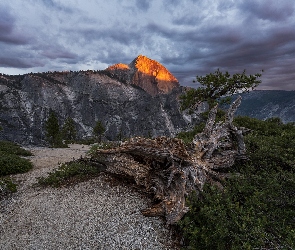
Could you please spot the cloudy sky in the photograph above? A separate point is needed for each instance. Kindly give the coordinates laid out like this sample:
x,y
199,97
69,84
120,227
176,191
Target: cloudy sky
x,y
189,37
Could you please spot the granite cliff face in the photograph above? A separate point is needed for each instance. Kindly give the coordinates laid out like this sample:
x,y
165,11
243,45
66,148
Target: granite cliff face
x,y
264,104
148,74
129,102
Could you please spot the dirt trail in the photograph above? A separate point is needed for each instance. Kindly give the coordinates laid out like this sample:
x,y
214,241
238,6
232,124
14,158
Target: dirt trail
x,y
50,157
89,215
47,159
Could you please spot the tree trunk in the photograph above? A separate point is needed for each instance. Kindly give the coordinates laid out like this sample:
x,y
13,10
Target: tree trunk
x,y
169,169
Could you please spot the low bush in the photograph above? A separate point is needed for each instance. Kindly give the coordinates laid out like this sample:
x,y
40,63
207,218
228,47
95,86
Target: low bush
x,y
188,136
10,160
12,148
13,164
256,208
86,141
102,145
6,187
270,145
69,173
252,212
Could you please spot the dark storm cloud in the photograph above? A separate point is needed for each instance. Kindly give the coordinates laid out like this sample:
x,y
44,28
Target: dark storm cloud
x,y
117,53
58,53
189,37
8,34
6,21
267,52
123,34
143,4
247,44
269,9
18,62
56,5
186,20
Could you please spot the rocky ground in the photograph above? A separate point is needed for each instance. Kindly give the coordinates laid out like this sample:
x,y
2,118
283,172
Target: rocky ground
x,y
90,215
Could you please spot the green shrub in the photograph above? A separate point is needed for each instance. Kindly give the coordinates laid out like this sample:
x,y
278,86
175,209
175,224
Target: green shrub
x,y
13,164
68,131
188,136
102,145
59,144
99,130
256,208
69,173
12,148
6,187
253,211
270,145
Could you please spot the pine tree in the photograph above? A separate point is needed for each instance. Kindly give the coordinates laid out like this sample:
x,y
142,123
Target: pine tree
x,y
217,85
69,131
98,130
52,130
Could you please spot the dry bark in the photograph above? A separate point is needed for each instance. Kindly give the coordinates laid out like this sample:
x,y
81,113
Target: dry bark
x,y
169,169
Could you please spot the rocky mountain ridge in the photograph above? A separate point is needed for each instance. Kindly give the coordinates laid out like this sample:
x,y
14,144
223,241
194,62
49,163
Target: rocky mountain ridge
x,y
264,104
146,73
135,103
136,99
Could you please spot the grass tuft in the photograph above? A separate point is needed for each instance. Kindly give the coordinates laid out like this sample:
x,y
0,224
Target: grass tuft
x,y
69,173
6,187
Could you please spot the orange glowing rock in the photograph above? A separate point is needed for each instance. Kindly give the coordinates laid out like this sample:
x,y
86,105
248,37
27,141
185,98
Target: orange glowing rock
x,y
146,73
118,66
153,68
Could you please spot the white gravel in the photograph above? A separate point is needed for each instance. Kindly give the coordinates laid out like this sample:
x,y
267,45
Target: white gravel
x,y
88,215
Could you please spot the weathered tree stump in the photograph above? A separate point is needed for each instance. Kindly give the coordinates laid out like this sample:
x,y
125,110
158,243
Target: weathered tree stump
x,y
170,170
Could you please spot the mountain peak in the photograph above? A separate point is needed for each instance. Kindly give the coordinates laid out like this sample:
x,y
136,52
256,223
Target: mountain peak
x,y
153,68
118,66
146,73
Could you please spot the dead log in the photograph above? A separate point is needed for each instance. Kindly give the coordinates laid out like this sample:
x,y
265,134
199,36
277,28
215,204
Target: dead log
x,y
170,170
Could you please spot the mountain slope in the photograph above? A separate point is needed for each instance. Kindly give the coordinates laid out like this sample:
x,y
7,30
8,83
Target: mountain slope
x,y
146,73
124,107
264,104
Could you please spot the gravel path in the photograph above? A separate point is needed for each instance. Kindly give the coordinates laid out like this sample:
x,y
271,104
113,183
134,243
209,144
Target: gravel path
x,y
88,215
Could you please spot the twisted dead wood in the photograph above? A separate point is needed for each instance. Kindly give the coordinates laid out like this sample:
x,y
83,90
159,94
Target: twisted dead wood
x,y
169,169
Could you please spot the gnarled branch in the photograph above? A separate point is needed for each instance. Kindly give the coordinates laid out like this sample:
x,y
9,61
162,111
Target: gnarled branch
x,y
169,169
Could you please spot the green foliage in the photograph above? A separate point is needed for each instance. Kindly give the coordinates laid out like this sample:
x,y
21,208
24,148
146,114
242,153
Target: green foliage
x,y
102,145
220,115
52,126
98,130
70,173
52,130
253,211
6,187
13,164
270,145
216,85
188,136
12,148
10,162
256,208
68,130
120,136
86,141
53,133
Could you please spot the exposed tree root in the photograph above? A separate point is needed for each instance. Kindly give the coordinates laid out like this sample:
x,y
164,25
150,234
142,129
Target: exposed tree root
x,y
171,170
